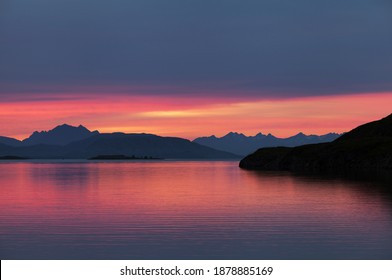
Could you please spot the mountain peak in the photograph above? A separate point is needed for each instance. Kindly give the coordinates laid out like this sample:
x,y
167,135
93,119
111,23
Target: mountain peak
x,y
60,135
258,135
67,126
234,134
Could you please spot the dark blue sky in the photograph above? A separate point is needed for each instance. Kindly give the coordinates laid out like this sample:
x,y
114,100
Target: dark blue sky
x,y
252,48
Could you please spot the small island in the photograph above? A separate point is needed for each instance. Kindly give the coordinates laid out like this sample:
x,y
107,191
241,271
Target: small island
x,y
123,157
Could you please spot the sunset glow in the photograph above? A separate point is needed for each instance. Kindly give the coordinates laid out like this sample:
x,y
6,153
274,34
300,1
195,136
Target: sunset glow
x,y
191,69
191,117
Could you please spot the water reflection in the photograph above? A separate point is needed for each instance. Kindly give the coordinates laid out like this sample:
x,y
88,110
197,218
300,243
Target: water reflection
x,y
187,210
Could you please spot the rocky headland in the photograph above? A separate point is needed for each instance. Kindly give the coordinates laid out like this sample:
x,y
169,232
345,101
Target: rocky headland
x,y
365,149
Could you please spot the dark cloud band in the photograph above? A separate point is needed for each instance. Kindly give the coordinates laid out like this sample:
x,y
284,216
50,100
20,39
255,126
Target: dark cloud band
x,y
255,48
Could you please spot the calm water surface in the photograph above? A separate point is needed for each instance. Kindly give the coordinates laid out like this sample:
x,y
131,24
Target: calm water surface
x,y
186,210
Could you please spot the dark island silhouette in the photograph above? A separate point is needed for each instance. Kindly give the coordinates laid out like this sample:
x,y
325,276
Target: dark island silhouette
x,y
122,157
71,142
365,149
240,144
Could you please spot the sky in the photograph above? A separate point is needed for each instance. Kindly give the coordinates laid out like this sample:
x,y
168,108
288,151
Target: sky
x,y
194,68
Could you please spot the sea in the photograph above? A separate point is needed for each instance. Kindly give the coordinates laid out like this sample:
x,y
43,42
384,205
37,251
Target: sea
x,y
184,210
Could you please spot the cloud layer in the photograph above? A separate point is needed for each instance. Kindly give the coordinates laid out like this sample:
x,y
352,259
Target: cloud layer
x,y
271,48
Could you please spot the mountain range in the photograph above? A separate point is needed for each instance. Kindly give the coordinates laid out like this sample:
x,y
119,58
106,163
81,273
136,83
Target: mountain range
x,y
65,141
69,142
240,144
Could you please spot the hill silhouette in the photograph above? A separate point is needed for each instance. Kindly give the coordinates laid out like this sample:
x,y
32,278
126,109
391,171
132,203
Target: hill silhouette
x,y
140,145
10,141
241,144
366,149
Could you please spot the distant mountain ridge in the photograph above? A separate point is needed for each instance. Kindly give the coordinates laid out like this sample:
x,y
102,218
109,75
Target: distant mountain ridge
x,y
68,142
241,144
